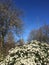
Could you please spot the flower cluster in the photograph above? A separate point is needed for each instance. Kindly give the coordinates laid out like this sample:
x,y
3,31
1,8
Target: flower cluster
x,y
35,53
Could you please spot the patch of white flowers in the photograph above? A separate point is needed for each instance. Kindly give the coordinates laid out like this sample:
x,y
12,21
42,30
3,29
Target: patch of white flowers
x,y
35,53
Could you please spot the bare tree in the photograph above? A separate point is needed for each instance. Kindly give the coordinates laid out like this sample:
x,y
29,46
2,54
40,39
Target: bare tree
x,y
9,19
10,42
32,35
41,34
10,38
46,33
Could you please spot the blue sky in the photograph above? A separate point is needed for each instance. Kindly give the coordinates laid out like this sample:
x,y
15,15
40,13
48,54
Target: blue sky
x,y
36,13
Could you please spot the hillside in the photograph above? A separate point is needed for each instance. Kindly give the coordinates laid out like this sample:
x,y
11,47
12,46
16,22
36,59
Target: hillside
x,y
34,53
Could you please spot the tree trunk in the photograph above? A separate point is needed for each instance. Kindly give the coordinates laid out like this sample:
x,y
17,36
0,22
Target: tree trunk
x,y
2,47
2,41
